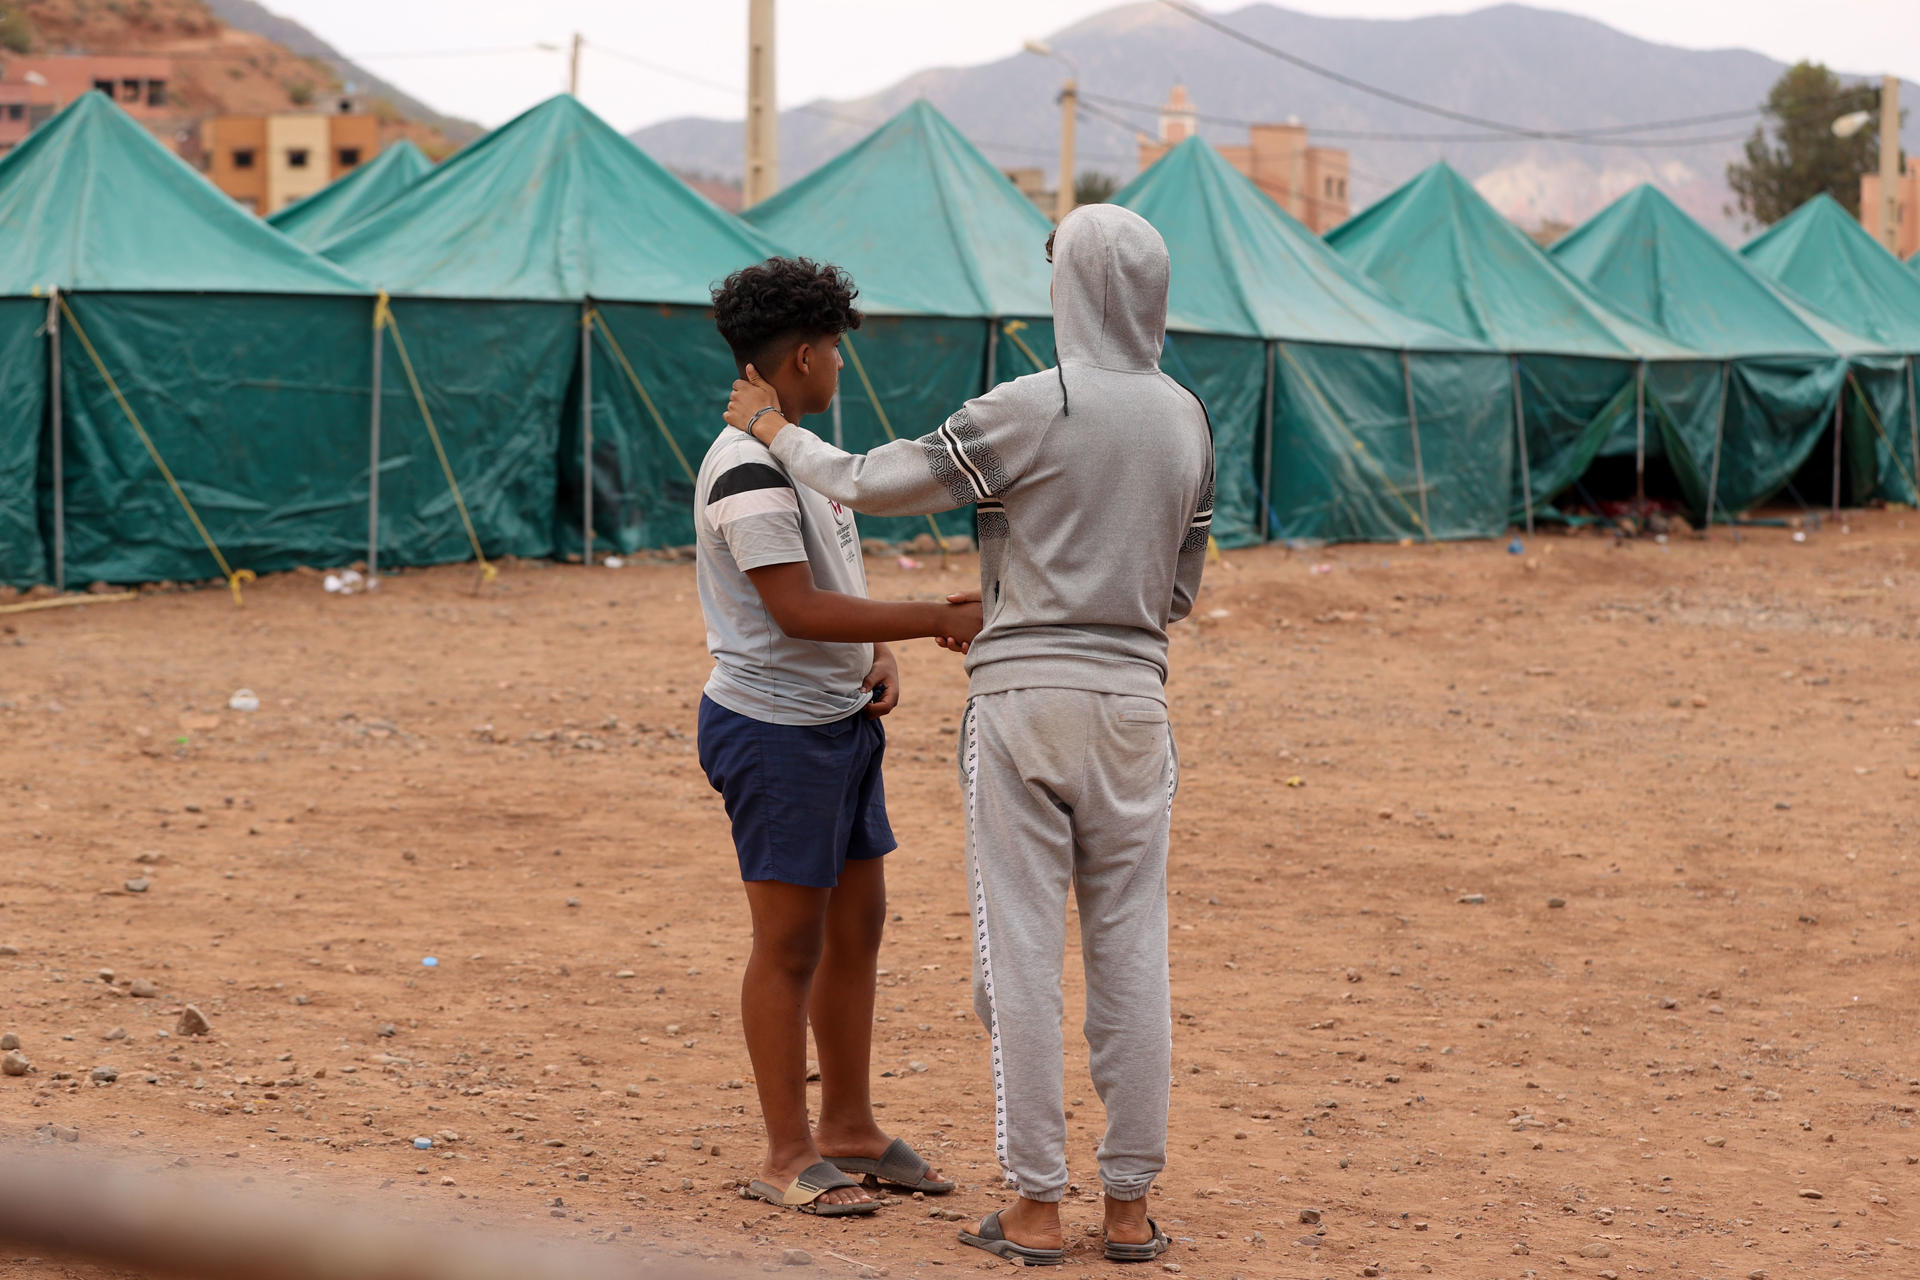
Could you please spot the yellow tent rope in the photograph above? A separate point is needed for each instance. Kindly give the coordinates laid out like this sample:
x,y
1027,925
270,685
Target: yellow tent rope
x,y
383,318
880,412
645,399
63,602
1893,450
234,577
1359,446
1012,330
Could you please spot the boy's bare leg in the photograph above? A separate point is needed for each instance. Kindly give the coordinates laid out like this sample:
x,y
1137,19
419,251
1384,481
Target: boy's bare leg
x,y
789,929
843,993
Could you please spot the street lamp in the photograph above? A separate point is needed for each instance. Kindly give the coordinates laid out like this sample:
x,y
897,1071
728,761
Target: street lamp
x,y
1069,110
1852,123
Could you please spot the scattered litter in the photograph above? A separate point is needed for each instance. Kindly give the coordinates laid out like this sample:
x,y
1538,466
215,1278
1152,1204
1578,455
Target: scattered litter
x,y
614,562
345,583
1321,568
1516,548
244,700
1296,781
908,562
1219,613
431,962
423,1144
1799,535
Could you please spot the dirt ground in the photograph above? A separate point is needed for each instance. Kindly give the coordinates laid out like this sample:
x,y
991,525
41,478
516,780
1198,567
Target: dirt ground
x,y
1542,914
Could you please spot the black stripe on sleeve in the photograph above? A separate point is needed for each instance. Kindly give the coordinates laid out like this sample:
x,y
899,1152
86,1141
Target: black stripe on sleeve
x,y
745,478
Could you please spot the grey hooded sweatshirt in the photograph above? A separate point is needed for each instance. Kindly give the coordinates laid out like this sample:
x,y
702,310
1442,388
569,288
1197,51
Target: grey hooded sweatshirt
x,y
1093,481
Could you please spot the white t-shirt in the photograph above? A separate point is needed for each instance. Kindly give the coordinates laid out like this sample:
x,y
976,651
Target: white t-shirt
x,y
749,514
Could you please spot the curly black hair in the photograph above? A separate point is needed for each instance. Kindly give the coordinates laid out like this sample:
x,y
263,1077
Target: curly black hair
x,y
764,310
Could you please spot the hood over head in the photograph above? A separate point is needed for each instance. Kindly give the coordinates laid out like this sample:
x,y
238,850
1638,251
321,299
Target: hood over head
x,y
1110,270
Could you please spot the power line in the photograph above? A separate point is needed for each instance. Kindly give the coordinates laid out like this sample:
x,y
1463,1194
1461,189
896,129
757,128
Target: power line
x,y
1594,137
1367,135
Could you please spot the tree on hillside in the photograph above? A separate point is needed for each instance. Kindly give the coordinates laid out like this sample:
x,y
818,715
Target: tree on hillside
x,y
1094,187
1802,157
16,29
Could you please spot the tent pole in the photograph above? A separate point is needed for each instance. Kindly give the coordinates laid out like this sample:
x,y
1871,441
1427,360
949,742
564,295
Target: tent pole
x,y
59,448
373,458
1520,431
586,433
1266,449
993,350
1413,425
1719,432
1839,419
839,433
1640,445
1913,427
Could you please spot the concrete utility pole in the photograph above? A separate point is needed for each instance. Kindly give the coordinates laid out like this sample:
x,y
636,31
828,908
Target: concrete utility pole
x,y
763,105
573,67
1069,116
1890,163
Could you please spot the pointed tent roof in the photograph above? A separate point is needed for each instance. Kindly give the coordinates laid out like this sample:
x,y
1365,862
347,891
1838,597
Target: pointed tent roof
x,y
93,201
1826,257
337,206
1242,265
918,215
1446,255
553,205
1650,259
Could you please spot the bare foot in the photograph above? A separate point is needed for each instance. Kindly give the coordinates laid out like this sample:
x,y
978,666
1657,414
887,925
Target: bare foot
x,y
862,1143
1126,1221
781,1173
1033,1224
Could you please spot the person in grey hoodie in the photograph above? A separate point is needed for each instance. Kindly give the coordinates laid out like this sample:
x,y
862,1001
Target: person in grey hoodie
x,y
1093,489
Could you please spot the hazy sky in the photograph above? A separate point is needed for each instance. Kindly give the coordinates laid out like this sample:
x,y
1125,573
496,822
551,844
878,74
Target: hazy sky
x,y
845,48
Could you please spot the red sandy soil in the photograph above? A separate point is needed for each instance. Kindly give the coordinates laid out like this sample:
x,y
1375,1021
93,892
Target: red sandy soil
x,y
1676,1036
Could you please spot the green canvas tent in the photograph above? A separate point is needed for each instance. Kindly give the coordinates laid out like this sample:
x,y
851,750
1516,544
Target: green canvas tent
x,y
1336,414
242,357
497,262
1830,261
1732,444
1447,256
336,207
949,256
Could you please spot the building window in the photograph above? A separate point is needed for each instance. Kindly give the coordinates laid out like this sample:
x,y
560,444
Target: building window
x,y
349,157
103,86
130,91
156,93
16,110
243,157
296,157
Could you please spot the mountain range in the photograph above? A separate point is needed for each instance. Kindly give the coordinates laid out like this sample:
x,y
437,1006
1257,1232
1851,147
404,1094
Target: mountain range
x,y
1536,68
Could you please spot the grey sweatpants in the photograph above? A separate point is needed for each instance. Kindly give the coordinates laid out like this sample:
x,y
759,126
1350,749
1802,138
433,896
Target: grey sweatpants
x,y
1066,787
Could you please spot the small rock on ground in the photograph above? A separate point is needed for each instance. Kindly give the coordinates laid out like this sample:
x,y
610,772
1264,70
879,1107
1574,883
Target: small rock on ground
x,y
192,1023
15,1063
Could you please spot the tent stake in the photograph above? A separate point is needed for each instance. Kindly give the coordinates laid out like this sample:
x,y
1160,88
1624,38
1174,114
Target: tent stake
x,y
59,448
1839,418
1413,425
373,457
1266,450
1520,432
1640,447
586,432
1719,431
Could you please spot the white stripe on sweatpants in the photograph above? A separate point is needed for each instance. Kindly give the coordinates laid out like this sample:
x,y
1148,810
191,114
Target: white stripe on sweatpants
x,y
984,951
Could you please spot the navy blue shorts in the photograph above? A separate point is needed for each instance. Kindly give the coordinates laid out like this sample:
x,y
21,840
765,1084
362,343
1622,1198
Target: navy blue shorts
x,y
804,799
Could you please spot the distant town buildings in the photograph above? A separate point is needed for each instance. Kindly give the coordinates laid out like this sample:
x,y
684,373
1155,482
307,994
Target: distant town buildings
x,y
1907,223
1308,182
268,162
32,89
1032,183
